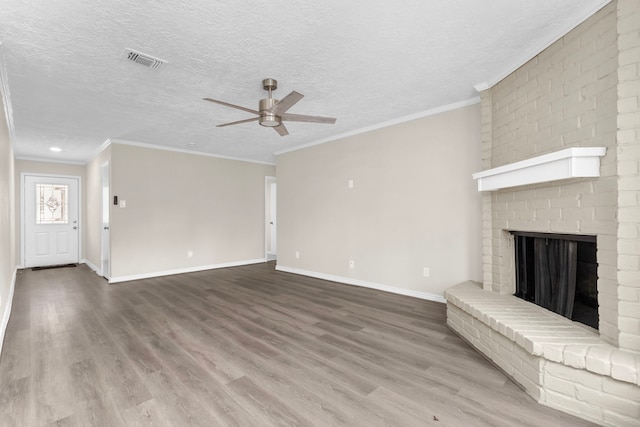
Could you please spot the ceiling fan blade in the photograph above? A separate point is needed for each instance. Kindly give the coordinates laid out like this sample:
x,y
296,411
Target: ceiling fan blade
x,y
287,102
281,130
308,119
238,122
237,107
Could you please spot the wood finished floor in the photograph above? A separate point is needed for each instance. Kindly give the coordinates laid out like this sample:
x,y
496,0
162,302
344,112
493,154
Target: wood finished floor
x,y
244,346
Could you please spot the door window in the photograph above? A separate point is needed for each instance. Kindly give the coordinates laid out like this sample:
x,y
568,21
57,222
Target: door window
x,y
52,204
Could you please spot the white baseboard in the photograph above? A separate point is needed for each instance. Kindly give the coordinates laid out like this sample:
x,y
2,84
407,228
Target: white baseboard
x,y
364,284
7,311
92,266
118,279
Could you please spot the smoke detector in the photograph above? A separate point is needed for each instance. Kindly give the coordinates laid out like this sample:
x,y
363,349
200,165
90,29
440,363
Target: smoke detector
x,y
143,59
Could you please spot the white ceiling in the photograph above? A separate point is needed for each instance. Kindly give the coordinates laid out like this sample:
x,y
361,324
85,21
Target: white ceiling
x,y
364,62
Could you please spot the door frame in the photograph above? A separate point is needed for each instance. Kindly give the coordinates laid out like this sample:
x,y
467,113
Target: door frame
x,y
268,180
23,247
105,166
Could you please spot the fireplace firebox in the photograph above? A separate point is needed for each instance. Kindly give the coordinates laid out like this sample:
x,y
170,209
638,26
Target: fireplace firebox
x,y
558,272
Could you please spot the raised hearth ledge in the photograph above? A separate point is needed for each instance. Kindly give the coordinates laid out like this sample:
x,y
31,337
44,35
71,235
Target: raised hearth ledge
x,y
558,363
545,334
576,162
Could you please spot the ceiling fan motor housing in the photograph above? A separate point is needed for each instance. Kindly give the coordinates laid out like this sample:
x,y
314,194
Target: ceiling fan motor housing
x,y
267,118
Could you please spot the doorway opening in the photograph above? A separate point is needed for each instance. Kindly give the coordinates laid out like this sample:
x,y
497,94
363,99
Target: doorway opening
x,y
270,214
105,257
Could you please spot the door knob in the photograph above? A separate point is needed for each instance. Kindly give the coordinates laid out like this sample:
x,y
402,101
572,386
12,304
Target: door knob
x,y
75,227
106,227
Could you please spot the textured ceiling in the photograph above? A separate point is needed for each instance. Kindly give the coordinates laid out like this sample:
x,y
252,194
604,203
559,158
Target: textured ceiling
x,y
364,62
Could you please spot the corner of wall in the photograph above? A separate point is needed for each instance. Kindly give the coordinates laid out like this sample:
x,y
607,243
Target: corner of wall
x,y
93,201
7,209
7,309
628,177
486,107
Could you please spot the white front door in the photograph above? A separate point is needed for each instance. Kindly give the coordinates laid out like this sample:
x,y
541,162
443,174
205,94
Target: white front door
x,y
50,220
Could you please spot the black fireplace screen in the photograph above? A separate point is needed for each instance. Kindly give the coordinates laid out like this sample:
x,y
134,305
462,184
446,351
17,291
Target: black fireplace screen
x,y
558,272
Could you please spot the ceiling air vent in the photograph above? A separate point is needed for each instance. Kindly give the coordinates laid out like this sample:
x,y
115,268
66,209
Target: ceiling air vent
x,y
143,59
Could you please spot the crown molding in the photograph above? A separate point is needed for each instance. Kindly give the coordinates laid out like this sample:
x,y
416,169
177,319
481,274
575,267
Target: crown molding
x,y
100,149
404,119
47,160
181,150
6,95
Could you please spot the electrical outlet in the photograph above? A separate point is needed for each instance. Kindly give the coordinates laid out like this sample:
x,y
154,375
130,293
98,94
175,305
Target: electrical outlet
x,y
426,272
189,254
297,255
350,183
352,264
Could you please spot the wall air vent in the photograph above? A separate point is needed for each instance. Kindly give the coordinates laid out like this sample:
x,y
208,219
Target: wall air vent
x,y
143,59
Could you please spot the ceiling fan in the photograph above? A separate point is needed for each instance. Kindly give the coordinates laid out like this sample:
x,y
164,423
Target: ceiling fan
x,y
272,113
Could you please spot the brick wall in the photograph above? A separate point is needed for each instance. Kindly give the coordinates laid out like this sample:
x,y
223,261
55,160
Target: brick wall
x,y
573,94
628,167
584,90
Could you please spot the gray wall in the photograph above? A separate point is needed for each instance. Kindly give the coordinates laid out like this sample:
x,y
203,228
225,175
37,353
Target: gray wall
x,y
413,205
178,202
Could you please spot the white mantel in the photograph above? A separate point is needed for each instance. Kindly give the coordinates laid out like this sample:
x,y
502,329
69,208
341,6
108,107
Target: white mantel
x,y
576,162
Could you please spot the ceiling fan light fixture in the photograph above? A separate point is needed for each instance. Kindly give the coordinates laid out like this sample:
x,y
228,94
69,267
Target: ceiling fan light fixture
x,y
269,120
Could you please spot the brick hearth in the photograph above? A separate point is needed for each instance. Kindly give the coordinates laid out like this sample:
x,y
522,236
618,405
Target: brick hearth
x,y
557,361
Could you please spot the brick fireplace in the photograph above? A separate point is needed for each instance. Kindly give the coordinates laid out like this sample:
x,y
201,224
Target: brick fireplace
x,y
582,91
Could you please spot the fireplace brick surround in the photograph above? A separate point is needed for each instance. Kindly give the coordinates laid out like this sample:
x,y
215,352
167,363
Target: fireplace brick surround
x,y
582,91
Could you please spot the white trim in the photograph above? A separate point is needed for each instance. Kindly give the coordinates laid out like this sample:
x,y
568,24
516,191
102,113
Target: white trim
x,y
181,150
49,160
531,53
118,279
7,310
91,266
576,162
364,284
427,113
481,86
6,95
22,202
103,146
